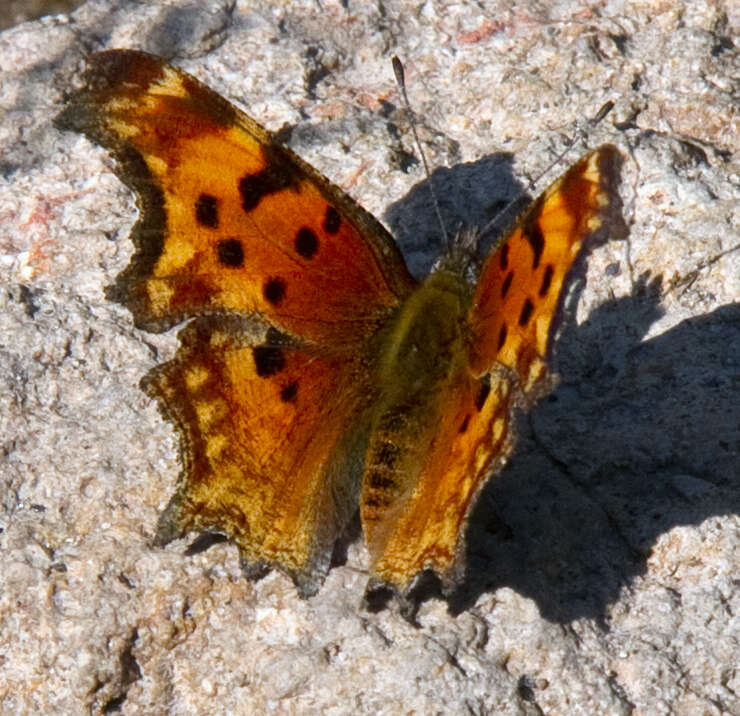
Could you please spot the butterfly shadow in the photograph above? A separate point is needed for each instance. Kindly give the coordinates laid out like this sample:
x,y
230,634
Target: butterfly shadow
x,y
640,436
470,194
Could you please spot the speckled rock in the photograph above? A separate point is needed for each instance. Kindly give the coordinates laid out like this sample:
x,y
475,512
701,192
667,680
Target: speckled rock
x,y
604,560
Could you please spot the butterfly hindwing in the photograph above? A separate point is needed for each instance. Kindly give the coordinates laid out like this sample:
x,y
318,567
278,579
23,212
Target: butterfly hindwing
x,y
272,435
414,519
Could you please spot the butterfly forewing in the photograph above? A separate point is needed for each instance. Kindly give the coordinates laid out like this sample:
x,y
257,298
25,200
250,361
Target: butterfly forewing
x,y
231,221
521,283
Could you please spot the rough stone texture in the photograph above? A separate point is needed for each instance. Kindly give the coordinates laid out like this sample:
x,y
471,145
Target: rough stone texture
x,y
13,12
604,560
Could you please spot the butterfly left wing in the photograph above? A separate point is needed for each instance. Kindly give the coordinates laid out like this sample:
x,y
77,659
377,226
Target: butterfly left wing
x,y
285,279
426,469
520,286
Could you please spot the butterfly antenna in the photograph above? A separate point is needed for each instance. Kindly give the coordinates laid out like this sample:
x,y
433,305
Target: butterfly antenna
x,y
685,282
579,135
398,71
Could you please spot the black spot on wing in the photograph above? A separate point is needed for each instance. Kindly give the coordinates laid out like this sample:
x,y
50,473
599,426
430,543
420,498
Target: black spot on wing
x,y
526,314
255,187
332,220
230,252
506,285
546,280
502,336
274,291
306,243
483,392
504,257
206,211
289,393
268,360
532,232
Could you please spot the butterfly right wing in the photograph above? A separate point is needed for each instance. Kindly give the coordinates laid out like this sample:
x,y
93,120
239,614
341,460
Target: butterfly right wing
x,y
430,457
231,221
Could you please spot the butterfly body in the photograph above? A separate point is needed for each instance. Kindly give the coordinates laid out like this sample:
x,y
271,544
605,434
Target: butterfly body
x,y
426,337
314,375
424,352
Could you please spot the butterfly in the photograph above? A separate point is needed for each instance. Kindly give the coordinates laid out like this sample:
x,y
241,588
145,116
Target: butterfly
x,y
314,373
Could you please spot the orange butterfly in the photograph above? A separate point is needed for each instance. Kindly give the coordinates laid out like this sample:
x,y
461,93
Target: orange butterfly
x,y
315,373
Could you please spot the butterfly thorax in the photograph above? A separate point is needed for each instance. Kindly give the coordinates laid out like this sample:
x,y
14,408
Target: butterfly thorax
x,y
425,342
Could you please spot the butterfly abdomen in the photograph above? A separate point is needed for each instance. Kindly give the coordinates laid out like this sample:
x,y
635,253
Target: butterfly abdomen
x,y
422,351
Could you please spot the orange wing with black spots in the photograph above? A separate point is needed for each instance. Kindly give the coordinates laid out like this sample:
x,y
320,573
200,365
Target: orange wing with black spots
x,y
232,221
272,431
416,503
519,290
417,499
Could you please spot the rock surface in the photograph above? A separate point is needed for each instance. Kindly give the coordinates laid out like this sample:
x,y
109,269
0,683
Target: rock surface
x,y
604,560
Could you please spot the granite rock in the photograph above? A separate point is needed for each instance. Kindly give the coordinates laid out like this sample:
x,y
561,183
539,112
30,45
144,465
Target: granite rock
x,y
604,559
